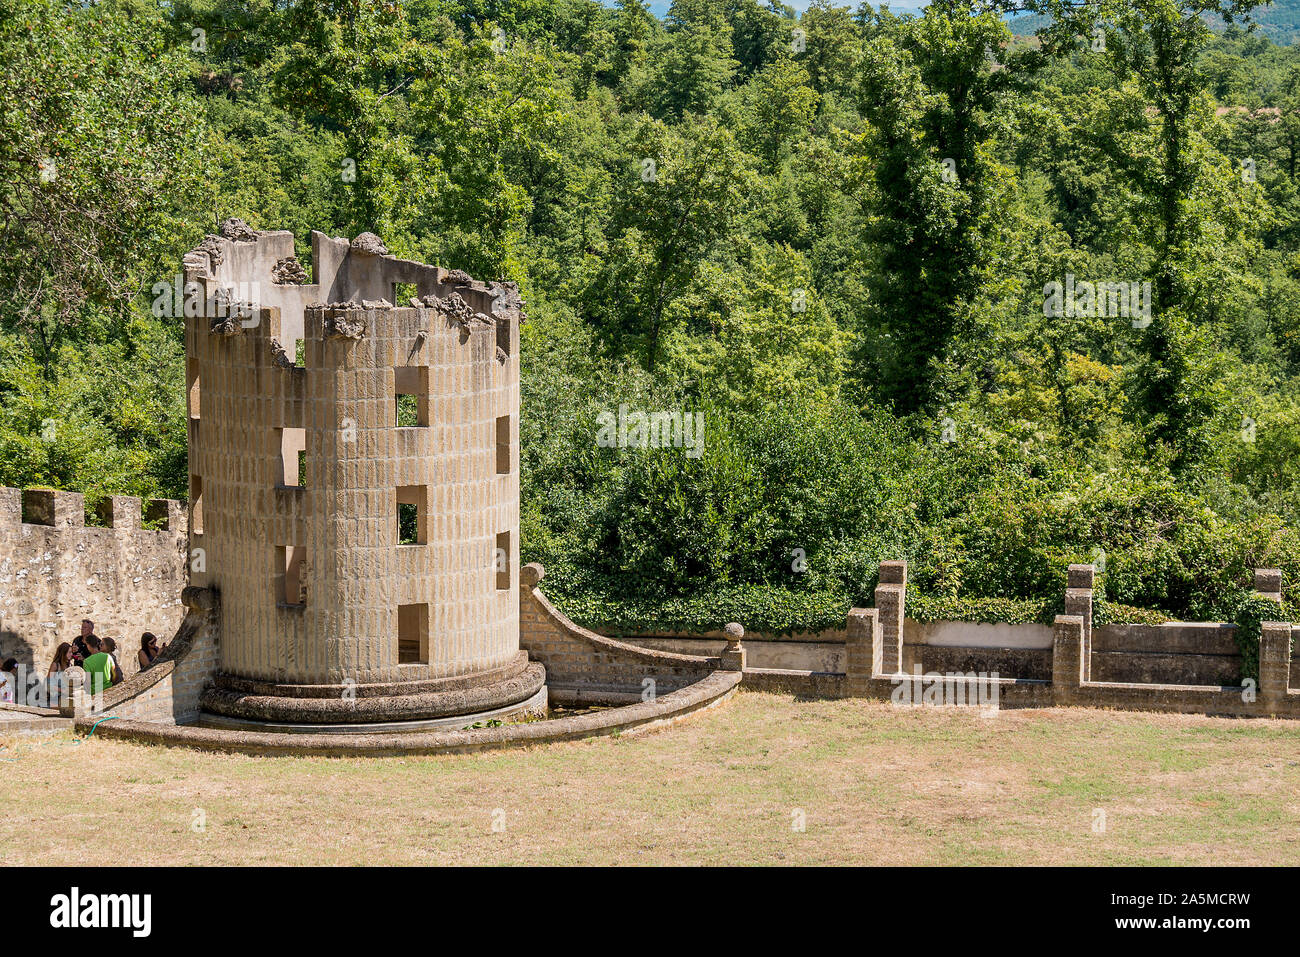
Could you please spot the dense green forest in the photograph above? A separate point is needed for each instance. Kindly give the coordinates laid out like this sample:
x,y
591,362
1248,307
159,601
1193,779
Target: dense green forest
x,y
834,236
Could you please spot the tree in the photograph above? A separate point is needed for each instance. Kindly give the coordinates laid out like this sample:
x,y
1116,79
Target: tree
x,y
780,107
934,104
830,47
634,27
101,151
347,68
673,202
775,343
1156,45
693,60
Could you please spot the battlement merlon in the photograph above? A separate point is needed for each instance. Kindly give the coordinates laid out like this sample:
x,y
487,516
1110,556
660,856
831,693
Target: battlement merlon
x,y
247,265
62,510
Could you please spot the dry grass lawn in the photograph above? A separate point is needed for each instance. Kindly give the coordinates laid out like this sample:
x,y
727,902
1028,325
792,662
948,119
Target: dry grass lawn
x,y
875,785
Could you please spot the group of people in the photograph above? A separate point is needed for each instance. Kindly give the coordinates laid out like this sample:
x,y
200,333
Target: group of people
x,y
96,656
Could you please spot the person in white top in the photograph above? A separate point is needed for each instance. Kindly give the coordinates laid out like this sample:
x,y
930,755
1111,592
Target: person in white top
x,y
8,680
56,678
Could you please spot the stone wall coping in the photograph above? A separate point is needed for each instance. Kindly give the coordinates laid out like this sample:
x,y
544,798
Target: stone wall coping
x,y
914,627
1142,686
28,709
1081,576
893,573
829,636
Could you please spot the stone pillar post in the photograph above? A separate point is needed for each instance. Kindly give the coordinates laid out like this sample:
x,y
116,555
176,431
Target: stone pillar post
x,y
1078,602
891,605
1274,663
169,510
733,656
1268,582
1067,658
120,511
11,507
862,648
73,703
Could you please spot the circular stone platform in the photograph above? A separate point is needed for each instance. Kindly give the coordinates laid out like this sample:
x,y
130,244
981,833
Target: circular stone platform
x,y
532,708
509,689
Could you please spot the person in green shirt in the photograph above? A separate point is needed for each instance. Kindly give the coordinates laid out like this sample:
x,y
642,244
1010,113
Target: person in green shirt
x,y
98,666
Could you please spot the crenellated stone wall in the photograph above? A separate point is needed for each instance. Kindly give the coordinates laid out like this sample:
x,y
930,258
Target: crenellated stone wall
x,y
55,570
1179,666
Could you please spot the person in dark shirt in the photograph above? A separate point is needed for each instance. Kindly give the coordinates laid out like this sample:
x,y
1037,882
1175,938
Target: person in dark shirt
x,y
149,650
80,650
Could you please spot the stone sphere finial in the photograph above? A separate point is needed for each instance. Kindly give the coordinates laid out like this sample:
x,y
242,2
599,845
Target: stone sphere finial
x,y
733,656
531,574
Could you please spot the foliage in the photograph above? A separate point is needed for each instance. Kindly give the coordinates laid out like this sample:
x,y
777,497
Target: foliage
x,y
1108,613
99,143
1250,611
829,235
1012,611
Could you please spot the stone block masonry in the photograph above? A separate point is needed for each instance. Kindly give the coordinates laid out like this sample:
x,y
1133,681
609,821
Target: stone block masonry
x,y
55,570
872,641
863,651
1078,602
357,508
891,602
1268,583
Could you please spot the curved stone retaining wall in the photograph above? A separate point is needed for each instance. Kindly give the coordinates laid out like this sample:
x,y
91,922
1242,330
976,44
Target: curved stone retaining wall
x,y
639,718
583,667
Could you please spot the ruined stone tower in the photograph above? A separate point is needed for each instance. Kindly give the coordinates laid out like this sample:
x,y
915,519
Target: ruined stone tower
x,y
354,482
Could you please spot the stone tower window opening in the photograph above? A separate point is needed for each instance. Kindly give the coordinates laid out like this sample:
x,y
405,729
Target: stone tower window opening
x,y
503,334
411,384
503,444
289,561
292,447
413,634
192,385
196,504
412,515
501,561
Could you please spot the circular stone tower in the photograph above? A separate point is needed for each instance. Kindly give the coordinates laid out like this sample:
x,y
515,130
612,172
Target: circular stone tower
x,y
354,483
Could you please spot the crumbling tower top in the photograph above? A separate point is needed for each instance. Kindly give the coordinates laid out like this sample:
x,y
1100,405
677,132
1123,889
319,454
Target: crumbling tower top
x,y
354,478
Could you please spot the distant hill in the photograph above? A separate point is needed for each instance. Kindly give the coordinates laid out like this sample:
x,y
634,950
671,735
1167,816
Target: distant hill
x,y
1279,21
1028,24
